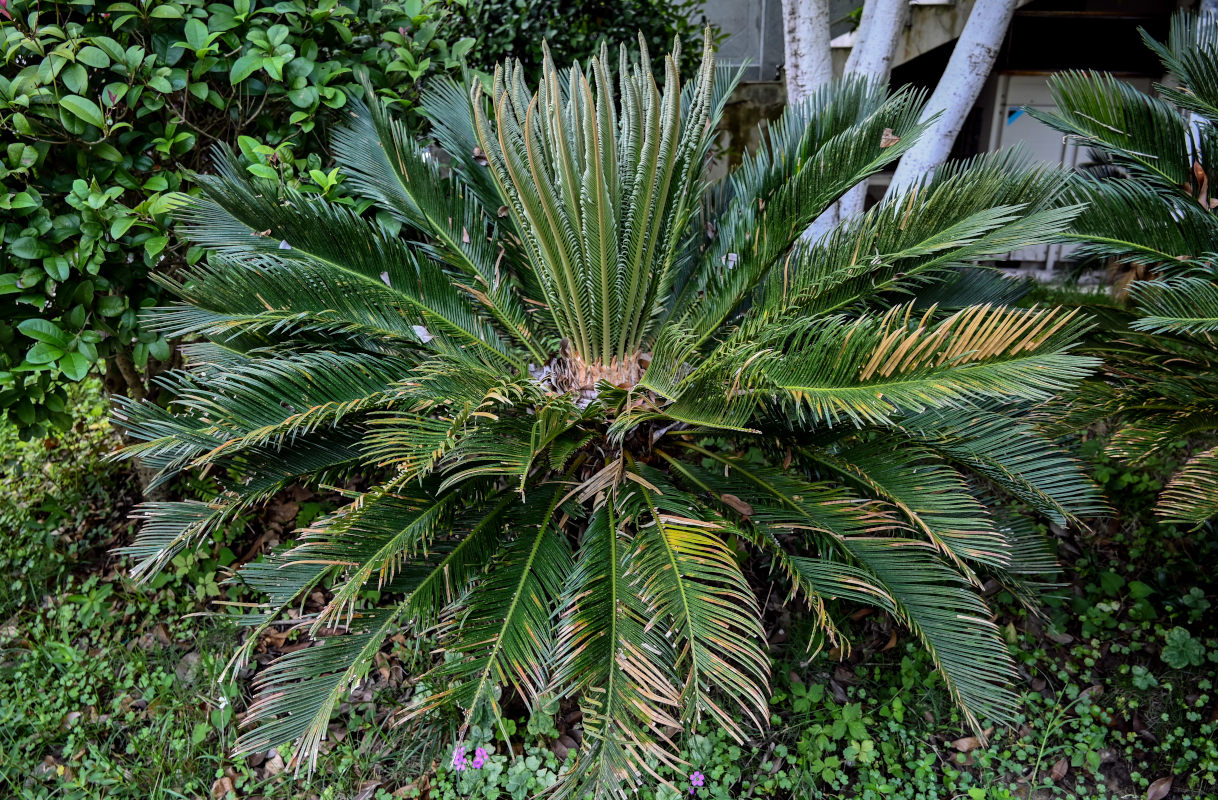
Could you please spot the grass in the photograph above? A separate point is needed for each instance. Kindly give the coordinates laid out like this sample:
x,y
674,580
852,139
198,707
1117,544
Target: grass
x,y
109,689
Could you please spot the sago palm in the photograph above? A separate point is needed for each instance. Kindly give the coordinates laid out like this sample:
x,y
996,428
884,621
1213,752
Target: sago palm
x,y
1158,212
588,384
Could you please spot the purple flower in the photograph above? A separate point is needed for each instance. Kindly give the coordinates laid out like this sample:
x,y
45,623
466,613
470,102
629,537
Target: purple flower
x,y
696,779
459,762
479,758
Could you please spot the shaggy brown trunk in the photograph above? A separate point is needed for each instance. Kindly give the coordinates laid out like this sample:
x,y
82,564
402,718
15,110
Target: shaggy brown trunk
x,y
570,373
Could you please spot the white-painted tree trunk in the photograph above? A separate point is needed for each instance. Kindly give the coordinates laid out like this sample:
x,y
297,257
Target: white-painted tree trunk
x,y
875,46
879,31
809,62
957,90
1197,123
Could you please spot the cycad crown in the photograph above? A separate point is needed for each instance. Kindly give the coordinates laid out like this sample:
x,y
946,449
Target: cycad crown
x,y
1158,210
580,376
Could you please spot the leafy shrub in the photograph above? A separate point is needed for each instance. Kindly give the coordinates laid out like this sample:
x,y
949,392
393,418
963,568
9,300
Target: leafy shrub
x,y
107,108
574,29
584,383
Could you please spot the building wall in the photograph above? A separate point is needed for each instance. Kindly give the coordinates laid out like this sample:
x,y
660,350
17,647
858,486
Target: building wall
x,y
754,31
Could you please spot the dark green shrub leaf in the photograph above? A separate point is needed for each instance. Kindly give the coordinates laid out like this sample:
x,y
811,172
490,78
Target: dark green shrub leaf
x,y
93,56
75,366
84,109
43,353
245,66
110,306
29,247
44,331
166,12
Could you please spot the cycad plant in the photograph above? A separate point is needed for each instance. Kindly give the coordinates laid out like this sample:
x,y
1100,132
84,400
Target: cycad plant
x,y
1158,212
578,389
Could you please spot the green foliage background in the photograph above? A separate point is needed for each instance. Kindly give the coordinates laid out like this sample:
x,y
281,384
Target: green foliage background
x,y
574,28
109,107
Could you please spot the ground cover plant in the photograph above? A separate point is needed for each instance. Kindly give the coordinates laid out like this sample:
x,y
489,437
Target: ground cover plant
x,y
131,704
573,385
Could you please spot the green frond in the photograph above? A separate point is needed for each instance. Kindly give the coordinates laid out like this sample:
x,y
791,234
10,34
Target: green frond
x,y
1184,305
1191,56
610,654
860,560
283,584
826,369
298,691
934,498
387,165
1145,135
242,220
168,528
961,214
448,106
973,286
500,635
1191,496
1150,434
374,537
1136,223
697,588
1033,558
952,622
818,150
785,506
510,448
250,303
1014,456
256,407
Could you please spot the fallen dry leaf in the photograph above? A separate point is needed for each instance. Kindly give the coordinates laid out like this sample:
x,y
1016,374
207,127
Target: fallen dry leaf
x,y
1059,770
969,743
738,505
1091,692
221,788
368,790
274,764
1160,788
